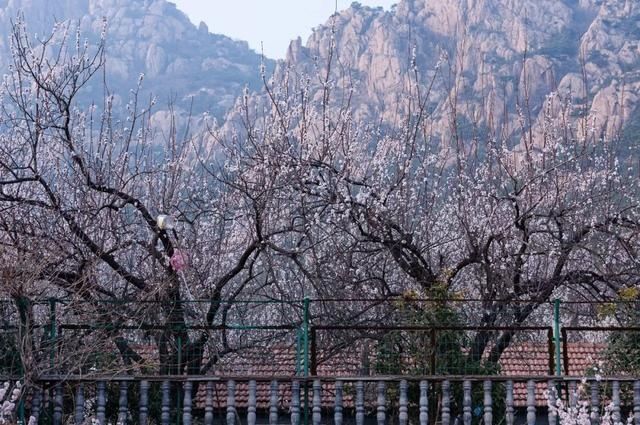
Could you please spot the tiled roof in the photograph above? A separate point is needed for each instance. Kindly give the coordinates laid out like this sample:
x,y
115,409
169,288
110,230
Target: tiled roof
x,y
533,359
583,355
280,361
524,359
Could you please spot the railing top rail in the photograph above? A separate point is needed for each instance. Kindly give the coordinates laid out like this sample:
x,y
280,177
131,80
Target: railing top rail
x,y
428,327
393,298
601,328
45,301
285,378
148,326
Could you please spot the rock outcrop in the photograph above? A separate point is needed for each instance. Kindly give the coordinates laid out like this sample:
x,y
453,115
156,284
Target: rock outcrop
x,y
496,59
185,65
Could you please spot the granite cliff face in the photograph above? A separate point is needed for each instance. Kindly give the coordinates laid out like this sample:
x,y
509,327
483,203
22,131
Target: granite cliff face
x,y
489,58
494,58
183,64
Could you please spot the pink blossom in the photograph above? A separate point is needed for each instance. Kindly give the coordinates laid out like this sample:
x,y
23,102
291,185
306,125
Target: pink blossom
x,y
178,260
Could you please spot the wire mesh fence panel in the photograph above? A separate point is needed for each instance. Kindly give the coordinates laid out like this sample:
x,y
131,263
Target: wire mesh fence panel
x,y
601,351
27,335
421,350
126,337
400,335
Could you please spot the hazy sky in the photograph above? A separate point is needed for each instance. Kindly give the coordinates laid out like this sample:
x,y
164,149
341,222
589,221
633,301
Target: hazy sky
x,y
272,22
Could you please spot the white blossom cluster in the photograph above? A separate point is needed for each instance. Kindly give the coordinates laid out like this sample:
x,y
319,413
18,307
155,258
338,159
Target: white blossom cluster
x,y
9,396
580,411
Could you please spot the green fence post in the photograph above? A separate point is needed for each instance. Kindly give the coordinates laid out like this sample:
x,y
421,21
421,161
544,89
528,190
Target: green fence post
x,y
52,332
556,331
179,388
305,331
179,357
298,351
52,340
305,337
22,311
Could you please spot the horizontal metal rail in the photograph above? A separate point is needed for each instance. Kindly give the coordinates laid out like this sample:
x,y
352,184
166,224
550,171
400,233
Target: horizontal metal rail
x,y
310,378
429,327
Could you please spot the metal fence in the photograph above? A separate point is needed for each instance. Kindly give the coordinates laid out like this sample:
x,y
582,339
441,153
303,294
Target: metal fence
x,y
382,336
68,351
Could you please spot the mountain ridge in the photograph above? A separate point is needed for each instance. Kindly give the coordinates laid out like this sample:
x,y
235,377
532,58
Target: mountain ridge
x,y
194,70
500,55
494,57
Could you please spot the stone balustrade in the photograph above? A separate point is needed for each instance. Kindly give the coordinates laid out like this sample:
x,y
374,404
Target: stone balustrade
x,y
319,400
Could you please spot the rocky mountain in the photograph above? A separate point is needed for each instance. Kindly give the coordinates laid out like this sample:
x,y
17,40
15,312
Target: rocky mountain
x,y
188,66
497,61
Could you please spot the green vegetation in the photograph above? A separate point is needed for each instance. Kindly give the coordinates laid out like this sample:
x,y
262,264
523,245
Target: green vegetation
x,y
622,355
440,350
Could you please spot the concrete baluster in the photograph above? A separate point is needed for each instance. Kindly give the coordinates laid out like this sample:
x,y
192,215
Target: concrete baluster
x,y
488,402
36,403
295,403
208,404
595,403
337,415
531,403
359,403
186,403
317,402
57,404
446,402
551,401
636,402
165,408
79,411
101,402
122,403
466,403
424,403
615,399
573,395
403,411
273,403
143,414
231,402
510,413
381,403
